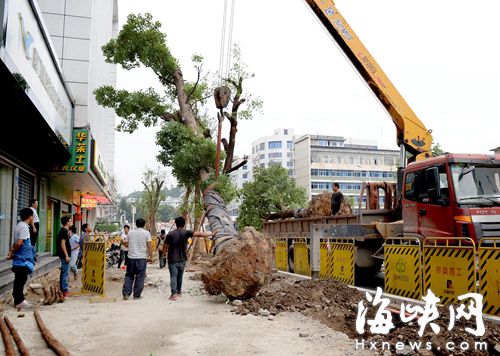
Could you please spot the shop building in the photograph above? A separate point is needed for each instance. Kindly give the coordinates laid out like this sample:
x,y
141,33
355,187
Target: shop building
x,y
49,149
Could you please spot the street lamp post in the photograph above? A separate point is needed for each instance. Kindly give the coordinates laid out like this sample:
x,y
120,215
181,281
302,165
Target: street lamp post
x,y
133,216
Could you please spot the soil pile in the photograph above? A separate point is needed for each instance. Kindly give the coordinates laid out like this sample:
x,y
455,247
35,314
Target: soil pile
x,y
336,305
320,205
242,267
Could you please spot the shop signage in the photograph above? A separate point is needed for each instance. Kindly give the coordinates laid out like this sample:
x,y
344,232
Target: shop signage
x,y
78,163
28,52
97,165
89,202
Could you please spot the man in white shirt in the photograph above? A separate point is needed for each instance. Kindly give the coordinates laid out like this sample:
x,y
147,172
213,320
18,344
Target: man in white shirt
x,y
35,225
139,248
22,256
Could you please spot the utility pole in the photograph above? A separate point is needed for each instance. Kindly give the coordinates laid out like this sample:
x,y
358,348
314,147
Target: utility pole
x,y
133,216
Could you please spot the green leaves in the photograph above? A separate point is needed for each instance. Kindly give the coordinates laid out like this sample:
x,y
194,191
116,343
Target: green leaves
x,y
185,152
141,41
223,185
143,106
271,190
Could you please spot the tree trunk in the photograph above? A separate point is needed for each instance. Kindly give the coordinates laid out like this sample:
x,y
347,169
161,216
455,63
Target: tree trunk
x,y
187,114
243,264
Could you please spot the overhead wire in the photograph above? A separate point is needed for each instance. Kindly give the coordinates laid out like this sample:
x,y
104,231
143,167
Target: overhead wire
x,y
222,42
230,40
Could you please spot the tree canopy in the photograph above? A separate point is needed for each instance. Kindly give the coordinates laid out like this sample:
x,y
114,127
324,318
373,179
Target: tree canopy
x,y
184,139
271,190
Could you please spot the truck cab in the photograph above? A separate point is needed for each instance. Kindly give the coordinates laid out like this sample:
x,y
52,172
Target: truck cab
x,y
452,195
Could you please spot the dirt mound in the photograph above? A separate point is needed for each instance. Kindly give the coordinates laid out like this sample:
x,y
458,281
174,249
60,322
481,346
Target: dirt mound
x,y
336,305
242,267
320,205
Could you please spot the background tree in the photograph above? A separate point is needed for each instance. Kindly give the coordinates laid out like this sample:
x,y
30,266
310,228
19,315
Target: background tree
x,y
436,150
185,141
153,194
167,213
271,190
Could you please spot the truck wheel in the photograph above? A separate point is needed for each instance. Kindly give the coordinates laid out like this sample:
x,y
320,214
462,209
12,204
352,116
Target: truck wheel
x,y
367,276
290,259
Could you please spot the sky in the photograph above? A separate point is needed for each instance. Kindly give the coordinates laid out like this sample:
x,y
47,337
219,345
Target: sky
x,y
442,56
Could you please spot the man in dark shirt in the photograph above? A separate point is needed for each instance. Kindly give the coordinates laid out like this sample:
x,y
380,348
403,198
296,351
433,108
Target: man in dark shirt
x,y
64,253
337,198
177,241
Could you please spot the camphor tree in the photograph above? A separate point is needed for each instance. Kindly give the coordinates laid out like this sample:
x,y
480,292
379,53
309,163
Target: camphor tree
x,y
243,262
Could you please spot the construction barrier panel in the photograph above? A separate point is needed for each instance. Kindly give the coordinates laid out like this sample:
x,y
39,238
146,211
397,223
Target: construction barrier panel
x,y
449,267
341,260
94,265
324,253
301,258
403,267
489,274
281,255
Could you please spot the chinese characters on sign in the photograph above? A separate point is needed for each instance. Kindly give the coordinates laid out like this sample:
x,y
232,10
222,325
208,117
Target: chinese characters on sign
x,y
382,323
80,149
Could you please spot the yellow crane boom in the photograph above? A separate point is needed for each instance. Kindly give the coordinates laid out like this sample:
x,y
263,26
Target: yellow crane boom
x,y
412,135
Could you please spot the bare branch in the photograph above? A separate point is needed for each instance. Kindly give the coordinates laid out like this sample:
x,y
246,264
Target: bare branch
x,y
168,116
238,166
195,84
225,144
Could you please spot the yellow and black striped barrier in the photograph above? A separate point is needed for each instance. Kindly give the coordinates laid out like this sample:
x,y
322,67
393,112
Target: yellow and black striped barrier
x,y
301,257
324,259
341,260
449,267
94,265
403,267
281,255
489,274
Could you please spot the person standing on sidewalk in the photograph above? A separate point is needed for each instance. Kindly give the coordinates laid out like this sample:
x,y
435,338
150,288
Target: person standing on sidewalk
x,y
64,253
23,257
177,241
139,248
123,248
161,242
74,241
85,237
35,225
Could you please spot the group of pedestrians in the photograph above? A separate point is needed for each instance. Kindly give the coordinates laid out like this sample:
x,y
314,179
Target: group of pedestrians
x,y
69,248
135,252
172,248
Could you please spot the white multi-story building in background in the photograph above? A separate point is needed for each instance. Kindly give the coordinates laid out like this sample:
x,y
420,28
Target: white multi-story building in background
x,y
274,149
322,160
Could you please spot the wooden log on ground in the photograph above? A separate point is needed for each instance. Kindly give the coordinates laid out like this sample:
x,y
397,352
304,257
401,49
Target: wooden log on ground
x,y
51,342
46,294
19,342
56,294
9,346
52,295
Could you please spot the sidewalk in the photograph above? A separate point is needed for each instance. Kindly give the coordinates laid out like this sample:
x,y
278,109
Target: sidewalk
x,y
196,324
